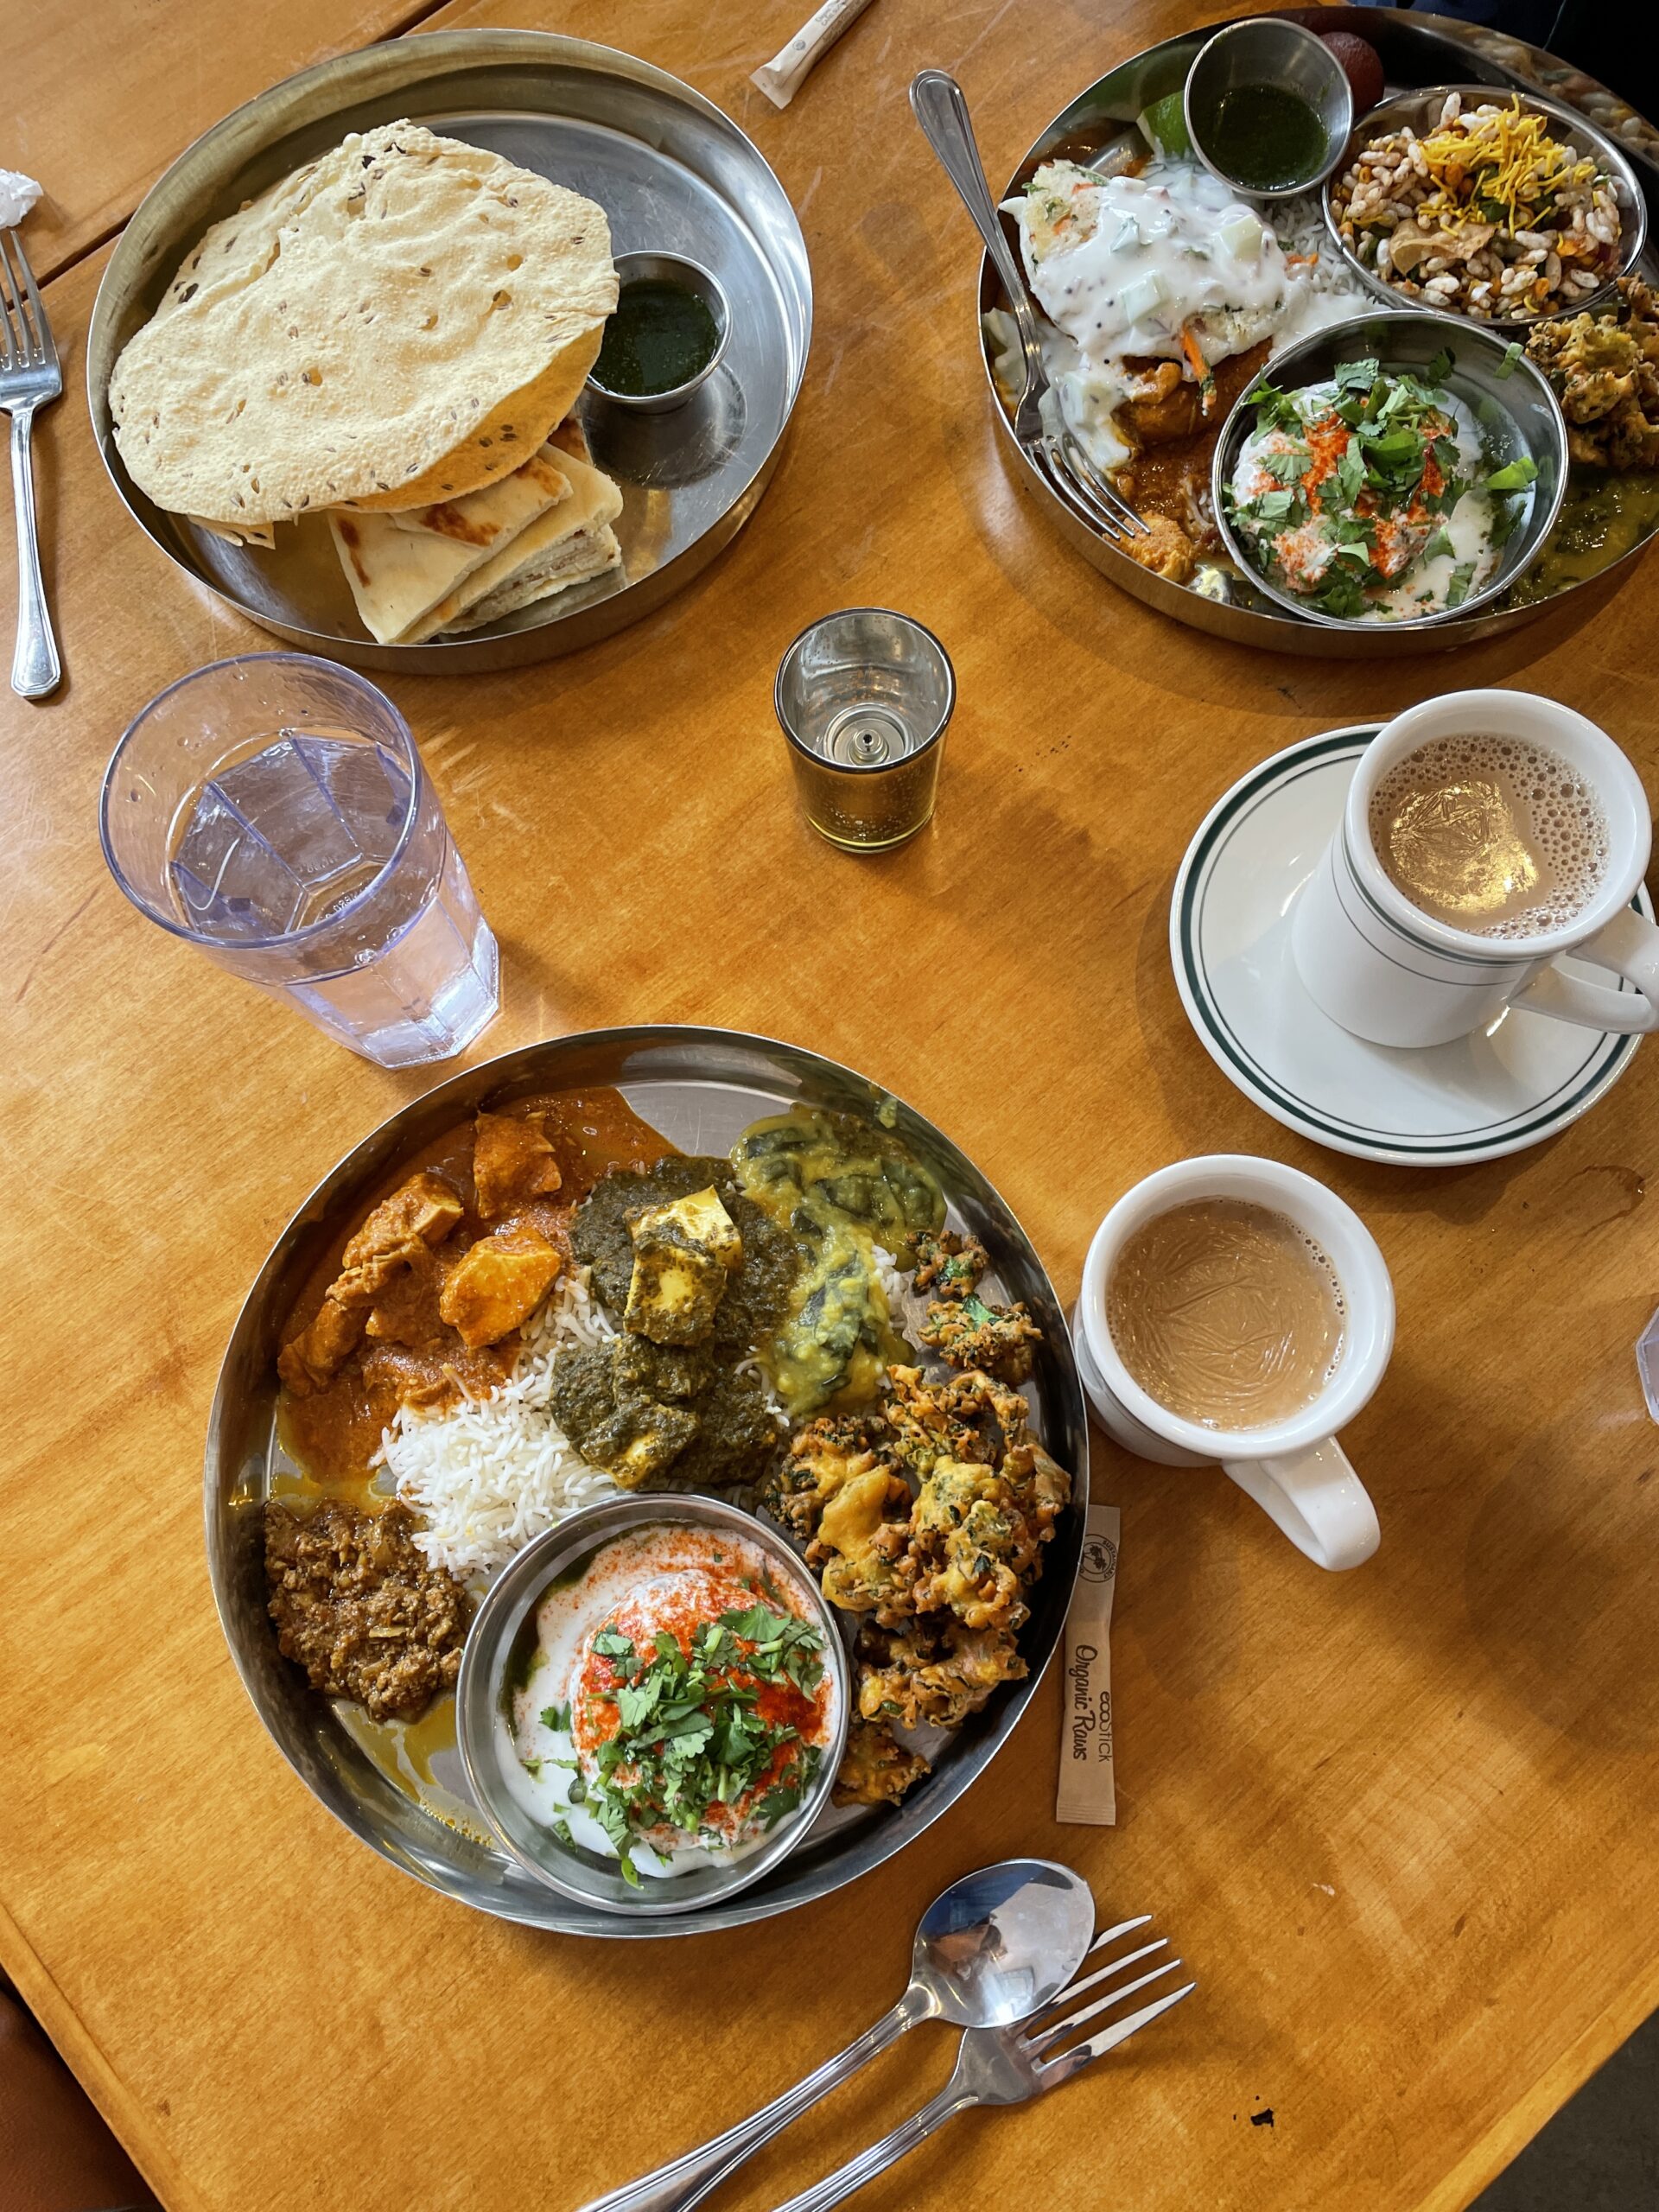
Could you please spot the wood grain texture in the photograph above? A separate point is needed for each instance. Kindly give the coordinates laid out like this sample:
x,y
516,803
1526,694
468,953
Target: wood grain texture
x,y
1399,1822
97,100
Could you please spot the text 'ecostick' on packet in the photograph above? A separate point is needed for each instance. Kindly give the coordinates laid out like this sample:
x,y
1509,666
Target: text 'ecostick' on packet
x,y
1088,1792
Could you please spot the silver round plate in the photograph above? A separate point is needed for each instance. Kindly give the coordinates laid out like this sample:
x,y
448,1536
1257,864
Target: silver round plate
x,y
701,1088
672,174
1415,51
1438,1106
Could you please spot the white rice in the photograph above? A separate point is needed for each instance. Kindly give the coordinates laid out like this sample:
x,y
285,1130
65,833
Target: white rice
x,y
1299,227
484,1477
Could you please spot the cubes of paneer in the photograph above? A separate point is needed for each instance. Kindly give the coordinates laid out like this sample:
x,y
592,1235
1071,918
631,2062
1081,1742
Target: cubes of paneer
x,y
498,1283
513,1162
683,1254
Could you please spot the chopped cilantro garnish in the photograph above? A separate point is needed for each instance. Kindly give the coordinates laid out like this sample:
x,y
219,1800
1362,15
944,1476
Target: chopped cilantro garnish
x,y
1370,469
555,1716
1287,467
1512,353
1462,576
687,1738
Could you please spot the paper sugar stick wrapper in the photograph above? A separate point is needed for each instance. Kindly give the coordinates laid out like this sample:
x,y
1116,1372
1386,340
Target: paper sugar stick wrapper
x,y
788,69
1087,1793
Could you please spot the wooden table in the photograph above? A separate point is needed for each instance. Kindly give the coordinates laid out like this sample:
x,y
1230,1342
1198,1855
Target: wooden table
x,y
1398,1821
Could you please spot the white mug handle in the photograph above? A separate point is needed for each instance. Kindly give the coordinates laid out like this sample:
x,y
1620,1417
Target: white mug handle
x,y
1316,1499
1629,946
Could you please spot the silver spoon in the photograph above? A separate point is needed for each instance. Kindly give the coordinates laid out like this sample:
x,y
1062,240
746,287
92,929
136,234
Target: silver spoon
x,y
993,1949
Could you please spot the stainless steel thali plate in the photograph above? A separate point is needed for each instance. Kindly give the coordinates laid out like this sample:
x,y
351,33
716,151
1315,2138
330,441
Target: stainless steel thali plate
x,y
1416,50
671,171
701,1088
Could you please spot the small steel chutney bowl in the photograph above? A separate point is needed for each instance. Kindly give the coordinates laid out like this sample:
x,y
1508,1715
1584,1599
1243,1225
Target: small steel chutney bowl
x,y
1269,50
1509,398
483,1696
703,284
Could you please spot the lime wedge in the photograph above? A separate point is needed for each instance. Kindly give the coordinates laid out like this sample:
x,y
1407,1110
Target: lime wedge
x,y
1163,125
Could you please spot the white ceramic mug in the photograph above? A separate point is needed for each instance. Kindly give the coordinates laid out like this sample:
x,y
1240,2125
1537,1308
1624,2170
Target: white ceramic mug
x,y
1390,972
1294,1469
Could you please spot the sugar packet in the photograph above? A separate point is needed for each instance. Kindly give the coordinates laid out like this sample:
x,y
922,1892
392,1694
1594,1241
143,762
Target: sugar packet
x,y
1088,1792
788,69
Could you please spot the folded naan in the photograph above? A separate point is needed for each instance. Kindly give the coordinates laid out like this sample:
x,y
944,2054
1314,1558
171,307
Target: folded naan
x,y
401,566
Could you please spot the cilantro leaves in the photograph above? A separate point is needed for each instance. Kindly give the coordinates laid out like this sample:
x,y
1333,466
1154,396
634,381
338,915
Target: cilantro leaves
x,y
689,1738
1353,481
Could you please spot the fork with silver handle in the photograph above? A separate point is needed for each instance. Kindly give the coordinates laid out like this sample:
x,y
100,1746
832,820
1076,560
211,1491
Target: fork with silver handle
x,y
936,100
1007,2065
30,378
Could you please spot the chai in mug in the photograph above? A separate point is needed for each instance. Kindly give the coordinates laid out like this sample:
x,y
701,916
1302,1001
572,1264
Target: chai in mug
x,y
1236,1314
1492,834
1227,1313
1486,838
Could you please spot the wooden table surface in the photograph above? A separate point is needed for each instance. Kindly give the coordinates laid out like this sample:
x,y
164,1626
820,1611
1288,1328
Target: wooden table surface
x,y
1399,1821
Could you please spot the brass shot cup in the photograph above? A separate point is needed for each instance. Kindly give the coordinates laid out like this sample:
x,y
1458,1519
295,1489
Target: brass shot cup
x,y
863,698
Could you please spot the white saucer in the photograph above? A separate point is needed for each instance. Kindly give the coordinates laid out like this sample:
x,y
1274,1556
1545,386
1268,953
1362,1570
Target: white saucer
x,y
1443,1105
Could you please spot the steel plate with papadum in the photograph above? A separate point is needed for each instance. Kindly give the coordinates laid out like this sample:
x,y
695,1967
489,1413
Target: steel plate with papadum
x,y
1445,492
646,1268
342,365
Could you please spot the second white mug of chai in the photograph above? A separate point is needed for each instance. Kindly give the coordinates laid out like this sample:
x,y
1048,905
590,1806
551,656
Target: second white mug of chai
x,y
1235,1311
1485,835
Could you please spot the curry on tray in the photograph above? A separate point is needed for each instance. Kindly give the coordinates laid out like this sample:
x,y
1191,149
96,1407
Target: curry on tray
x,y
550,1305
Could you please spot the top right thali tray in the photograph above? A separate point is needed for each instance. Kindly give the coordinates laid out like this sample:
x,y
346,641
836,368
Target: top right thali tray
x,y
1416,51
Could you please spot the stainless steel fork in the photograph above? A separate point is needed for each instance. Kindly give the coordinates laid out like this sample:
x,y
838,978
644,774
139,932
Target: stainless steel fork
x,y
1006,2066
30,378
937,101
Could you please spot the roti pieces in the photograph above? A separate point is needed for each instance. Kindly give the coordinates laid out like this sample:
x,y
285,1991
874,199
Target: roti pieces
x,y
401,321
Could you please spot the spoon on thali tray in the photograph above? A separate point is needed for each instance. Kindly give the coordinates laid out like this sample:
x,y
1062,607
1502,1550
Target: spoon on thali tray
x,y
991,1950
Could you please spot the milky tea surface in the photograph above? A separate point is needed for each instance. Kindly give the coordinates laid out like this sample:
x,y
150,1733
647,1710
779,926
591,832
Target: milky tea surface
x,y
1490,835
1227,1313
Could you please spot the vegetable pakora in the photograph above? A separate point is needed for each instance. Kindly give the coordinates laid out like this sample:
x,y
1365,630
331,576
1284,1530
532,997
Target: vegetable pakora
x,y
876,1770
932,1672
949,1265
1605,371
927,1515
968,1333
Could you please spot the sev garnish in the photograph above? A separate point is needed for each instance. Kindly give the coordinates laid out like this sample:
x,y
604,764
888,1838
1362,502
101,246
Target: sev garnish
x,y
1497,165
